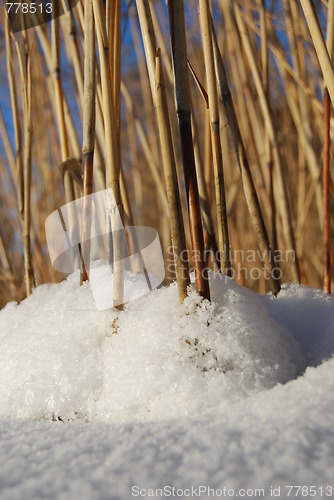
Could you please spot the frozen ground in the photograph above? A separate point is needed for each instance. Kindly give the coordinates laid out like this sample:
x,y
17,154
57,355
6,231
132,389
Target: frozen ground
x,y
235,394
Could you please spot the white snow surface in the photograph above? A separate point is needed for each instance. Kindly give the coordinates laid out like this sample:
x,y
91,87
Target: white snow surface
x,y
233,394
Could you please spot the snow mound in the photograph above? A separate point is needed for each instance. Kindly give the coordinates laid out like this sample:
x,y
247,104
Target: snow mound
x,y
61,358
308,314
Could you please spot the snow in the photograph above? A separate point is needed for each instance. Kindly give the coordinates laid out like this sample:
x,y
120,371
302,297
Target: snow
x,y
236,394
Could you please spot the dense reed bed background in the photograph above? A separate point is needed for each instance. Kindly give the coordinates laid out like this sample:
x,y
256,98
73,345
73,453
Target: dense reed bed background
x,y
240,157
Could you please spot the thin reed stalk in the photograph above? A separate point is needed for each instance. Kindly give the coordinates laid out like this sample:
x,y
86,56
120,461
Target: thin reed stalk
x,y
5,262
319,45
183,110
115,208
268,150
15,115
88,136
159,98
326,158
223,237
246,175
285,211
25,76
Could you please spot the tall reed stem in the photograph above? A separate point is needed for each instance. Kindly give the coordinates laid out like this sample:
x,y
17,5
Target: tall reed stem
x,y
112,159
319,45
183,109
285,211
25,75
246,175
160,101
326,158
223,238
88,136
17,128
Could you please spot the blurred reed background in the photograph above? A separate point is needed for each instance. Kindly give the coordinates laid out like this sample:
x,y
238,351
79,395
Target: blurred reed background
x,y
253,167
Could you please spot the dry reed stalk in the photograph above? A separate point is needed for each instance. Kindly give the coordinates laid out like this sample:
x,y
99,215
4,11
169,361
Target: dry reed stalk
x,y
325,181
291,19
310,155
88,136
115,208
115,75
301,193
29,270
159,98
7,147
152,164
223,238
268,151
319,45
64,147
208,158
173,197
140,58
326,159
15,116
161,43
183,110
72,45
79,14
238,73
25,77
285,212
5,262
247,179
55,72
248,116
208,226
115,64
278,52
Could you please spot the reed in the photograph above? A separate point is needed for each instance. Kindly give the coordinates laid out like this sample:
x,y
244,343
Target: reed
x,y
326,158
281,183
183,110
159,98
223,238
112,159
254,104
88,136
246,175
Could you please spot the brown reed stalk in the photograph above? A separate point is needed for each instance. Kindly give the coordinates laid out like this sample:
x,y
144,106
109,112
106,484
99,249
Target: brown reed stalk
x,y
291,20
115,64
223,238
246,175
281,184
204,185
72,44
319,45
290,77
15,115
88,136
115,75
152,164
25,77
183,110
159,98
326,159
268,151
64,147
112,159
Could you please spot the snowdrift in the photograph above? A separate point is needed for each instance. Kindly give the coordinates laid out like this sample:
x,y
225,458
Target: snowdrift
x,y
62,359
236,396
